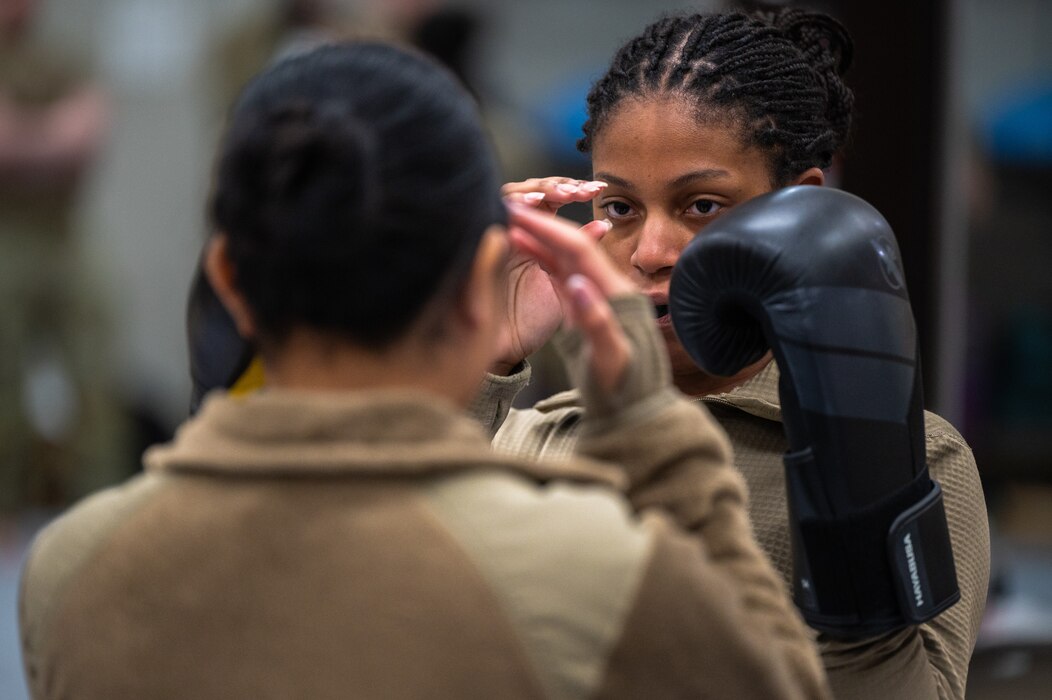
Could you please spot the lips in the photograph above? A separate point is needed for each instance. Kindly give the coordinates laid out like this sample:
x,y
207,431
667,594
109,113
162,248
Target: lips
x,y
661,314
658,296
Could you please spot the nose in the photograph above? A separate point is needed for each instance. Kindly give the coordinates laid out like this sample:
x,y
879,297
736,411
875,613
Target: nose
x,y
658,247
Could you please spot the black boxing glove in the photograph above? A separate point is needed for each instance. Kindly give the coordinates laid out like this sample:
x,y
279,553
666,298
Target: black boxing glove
x,y
813,273
218,354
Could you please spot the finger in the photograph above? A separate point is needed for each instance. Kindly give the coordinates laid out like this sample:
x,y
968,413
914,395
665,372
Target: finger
x,y
537,184
537,200
596,229
609,349
566,192
565,249
557,191
573,251
524,243
531,199
561,235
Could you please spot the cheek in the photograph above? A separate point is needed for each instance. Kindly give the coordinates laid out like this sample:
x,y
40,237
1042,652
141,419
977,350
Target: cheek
x,y
678,358
619,249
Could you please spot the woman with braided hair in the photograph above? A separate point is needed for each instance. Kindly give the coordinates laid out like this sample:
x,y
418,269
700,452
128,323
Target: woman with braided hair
x,y
696,115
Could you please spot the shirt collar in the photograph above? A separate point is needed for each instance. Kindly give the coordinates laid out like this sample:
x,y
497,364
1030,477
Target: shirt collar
x,y
757,396
381,433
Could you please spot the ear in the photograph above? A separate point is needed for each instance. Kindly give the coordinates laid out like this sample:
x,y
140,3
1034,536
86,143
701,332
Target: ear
x,y
222,276
811,176
482,292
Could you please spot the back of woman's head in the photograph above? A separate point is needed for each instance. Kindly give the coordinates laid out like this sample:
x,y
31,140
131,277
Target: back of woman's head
x,y
776,75
353,185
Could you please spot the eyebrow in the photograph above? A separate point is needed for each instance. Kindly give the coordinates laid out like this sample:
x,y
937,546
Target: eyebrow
x,y
686,178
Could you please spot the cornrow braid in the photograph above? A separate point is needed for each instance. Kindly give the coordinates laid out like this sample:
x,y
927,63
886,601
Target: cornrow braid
x,y
778,73
662,43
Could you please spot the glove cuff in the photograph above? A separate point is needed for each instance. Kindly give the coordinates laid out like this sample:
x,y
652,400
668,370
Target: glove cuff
x,y
648,372
844,590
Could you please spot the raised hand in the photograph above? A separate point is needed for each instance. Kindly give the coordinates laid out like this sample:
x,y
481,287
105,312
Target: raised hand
x,y
549,194
584,279
534,307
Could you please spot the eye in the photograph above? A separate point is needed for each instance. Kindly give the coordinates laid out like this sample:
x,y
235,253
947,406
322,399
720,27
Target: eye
x,y
618,210
704,207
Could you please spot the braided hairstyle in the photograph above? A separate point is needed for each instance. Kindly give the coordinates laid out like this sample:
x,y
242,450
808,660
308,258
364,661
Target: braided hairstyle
x,y
354,184
776,74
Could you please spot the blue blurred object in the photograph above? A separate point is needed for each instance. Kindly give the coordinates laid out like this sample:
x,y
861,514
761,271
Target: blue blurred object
x,y
1018,128
561,115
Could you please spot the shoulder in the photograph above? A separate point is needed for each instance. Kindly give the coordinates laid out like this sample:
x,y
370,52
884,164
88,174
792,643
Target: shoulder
x,y
563,559
569,515
57,558
66,545
937,428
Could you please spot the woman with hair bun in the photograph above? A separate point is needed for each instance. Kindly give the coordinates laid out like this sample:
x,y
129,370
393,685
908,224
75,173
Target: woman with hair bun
x,y
349,531
697,114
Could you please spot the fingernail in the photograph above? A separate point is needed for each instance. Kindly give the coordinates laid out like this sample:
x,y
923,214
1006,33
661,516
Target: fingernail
x,y
608,223
593,186
568,189
533,197
579,291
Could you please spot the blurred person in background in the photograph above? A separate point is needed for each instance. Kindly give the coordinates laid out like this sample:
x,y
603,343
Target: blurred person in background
x,y
290,25
444,32
60,434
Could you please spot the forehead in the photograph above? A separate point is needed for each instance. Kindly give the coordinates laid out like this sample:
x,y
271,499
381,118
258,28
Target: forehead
x,y
657,139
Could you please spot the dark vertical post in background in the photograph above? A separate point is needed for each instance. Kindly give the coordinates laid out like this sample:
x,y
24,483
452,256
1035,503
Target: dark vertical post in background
x,y
895,157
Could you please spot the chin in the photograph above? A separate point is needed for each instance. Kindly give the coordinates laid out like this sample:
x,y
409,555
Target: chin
x,y
682,364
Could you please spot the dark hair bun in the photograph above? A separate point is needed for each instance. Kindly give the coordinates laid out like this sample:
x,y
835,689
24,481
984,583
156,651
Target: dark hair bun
x,y
817,35
286,154
309,142
354,183
828,48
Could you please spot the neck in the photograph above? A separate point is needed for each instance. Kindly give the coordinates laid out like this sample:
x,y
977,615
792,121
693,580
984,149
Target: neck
x,y
309,361
700,384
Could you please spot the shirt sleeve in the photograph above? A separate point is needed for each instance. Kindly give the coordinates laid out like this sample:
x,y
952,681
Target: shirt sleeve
x,y
496,394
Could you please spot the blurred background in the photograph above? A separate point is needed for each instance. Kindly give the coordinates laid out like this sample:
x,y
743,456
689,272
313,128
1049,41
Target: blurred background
x,y
109,114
